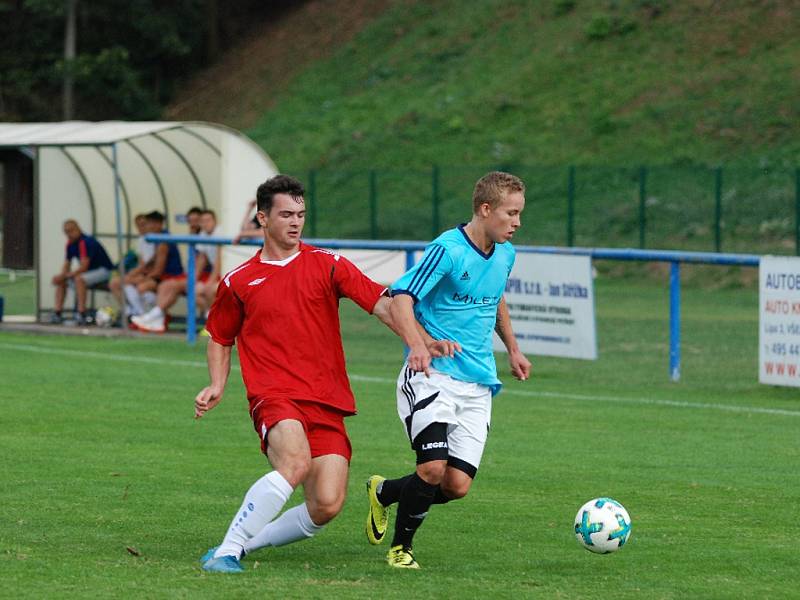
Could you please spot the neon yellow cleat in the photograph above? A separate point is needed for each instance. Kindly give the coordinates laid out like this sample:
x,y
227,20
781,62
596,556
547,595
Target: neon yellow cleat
x,y
401,557
378,517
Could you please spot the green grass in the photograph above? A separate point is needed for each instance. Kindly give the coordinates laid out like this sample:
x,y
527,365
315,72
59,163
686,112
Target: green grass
x,y
532,87
19,293
517,82
99,452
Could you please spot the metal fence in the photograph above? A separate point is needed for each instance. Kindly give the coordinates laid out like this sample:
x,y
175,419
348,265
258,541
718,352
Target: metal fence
x,y
722,209
674,258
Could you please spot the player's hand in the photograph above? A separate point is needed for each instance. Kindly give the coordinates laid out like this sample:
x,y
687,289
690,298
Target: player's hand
x,y
520,366
443,348
207,399
419,359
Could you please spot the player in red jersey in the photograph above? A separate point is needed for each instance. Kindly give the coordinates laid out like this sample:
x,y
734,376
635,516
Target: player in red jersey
x,y
282,308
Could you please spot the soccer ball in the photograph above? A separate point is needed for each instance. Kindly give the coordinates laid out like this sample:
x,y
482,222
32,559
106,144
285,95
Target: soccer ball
x,y
104,317
602,525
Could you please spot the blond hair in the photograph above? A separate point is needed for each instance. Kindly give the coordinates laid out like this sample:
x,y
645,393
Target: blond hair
x,y
491,188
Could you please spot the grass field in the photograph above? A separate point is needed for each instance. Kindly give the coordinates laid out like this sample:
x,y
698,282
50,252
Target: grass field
x,y
99,453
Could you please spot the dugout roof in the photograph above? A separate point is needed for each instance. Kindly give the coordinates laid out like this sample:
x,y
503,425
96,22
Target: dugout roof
x,y
165,166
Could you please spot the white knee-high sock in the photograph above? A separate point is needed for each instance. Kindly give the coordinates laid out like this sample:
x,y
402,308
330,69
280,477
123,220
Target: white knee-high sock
x,y
293,525
134,300
149,300
263,501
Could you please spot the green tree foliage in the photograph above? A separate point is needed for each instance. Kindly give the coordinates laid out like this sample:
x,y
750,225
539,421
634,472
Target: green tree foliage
x,y
131,54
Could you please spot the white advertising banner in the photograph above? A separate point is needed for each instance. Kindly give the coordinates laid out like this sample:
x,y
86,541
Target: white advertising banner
x,y
551,302
779,321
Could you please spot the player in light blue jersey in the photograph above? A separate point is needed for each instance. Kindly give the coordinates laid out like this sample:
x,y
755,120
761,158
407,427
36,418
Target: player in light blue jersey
x,y
456,293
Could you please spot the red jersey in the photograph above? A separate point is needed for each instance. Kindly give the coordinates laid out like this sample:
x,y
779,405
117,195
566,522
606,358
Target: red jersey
x,y
285,317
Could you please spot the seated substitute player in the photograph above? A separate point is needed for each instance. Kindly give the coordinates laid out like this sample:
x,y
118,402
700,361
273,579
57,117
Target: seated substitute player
x,y
165,265
169,290
456,293
145,251
94,267
282,309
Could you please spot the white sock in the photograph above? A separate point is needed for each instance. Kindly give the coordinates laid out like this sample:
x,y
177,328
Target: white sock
x,y
262,502
149,299
293,525
134,300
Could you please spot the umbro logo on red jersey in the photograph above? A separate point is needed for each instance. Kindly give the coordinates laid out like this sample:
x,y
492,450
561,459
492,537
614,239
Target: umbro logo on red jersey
x,y
257,281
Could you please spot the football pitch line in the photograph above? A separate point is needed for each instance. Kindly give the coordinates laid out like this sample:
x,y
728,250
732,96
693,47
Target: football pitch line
x,y
385,380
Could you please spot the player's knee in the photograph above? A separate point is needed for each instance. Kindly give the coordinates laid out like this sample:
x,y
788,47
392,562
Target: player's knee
x,y
455,490
432,471
325,509
296,469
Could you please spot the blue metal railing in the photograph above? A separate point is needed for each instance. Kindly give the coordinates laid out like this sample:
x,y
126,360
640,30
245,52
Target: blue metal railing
x,y
675,258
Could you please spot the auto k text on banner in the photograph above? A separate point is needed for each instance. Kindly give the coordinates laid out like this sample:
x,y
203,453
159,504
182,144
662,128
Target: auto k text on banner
x,y
779,321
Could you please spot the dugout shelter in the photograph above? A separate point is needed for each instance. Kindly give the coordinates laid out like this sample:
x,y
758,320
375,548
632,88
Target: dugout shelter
x,y
102,174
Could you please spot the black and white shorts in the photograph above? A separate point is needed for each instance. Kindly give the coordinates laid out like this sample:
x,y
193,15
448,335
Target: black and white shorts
x,y
465,407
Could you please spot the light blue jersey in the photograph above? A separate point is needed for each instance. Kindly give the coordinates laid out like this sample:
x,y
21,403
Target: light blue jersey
x,y
456,289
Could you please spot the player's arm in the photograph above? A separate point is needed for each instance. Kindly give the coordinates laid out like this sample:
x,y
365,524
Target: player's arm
x,y
83,266
200,262
219,366
437,348
216,271
159,261
405,323
520,365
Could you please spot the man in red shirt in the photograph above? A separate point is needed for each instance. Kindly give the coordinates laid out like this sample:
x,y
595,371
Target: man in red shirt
x,y
282,308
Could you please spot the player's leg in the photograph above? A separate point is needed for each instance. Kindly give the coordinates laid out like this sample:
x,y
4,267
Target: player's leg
x,y
418,493
325,490
166,295
466,441
288,452
133,295
80,294
60,294
325,485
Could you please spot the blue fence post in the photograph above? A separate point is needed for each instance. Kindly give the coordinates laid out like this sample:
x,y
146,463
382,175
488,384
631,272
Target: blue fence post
x,y
191,322
409,259
675,321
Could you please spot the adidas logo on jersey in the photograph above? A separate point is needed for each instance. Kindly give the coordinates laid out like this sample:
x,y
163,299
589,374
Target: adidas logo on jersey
x,y
465,276
257,281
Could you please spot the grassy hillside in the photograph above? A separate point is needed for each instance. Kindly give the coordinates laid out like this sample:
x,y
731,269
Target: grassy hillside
x,y
556,81
606,85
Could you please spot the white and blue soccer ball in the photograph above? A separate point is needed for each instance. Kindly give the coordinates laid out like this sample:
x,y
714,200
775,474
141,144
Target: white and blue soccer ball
x,y
602,525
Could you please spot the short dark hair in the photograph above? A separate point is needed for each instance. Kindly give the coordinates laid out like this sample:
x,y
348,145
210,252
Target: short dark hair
x,y
208,211
280,184
195,210
154,216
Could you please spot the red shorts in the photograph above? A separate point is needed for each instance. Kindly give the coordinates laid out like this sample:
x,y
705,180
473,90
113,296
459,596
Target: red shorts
x,y
204,276
323,424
